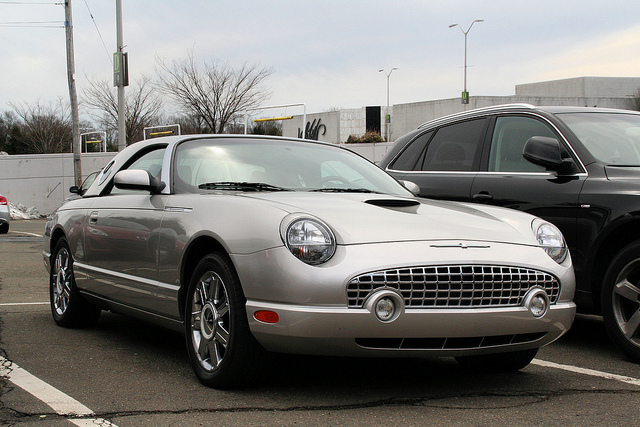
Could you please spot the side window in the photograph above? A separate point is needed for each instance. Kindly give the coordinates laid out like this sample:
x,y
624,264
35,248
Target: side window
x,y
150,161
507,143
412,155
455,147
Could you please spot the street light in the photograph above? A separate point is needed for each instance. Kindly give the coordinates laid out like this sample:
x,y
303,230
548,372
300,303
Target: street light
x,y
387,115
465,94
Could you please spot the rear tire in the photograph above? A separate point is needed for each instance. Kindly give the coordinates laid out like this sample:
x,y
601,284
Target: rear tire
x,y
498,363
68,307
222,351
620,301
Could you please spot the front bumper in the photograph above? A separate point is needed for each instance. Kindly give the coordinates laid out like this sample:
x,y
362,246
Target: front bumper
x,y
314,317
416,332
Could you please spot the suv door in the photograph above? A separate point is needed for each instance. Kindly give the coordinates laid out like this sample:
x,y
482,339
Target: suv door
x,y
443,161
507,179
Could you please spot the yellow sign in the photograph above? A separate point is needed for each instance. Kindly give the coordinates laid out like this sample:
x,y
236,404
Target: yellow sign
x,y
273,119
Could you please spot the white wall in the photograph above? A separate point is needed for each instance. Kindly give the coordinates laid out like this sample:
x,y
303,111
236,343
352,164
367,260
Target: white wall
x,y
373,152
43,180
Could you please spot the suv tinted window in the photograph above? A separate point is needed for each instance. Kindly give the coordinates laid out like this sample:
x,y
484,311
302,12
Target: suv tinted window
x,y
455,148
509,137
408,159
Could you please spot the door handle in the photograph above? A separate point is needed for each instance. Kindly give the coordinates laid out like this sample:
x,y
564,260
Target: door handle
x,y
482,197
93,218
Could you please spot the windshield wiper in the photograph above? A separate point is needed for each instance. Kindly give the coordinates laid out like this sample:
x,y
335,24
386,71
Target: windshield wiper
x,y
241,186
343,190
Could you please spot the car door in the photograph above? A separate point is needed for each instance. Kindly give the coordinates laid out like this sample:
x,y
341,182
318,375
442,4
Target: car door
x,y
507,179
443,161
121,242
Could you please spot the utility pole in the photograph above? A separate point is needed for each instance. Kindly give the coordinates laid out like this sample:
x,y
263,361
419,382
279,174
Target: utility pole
x,y
120,77
73,95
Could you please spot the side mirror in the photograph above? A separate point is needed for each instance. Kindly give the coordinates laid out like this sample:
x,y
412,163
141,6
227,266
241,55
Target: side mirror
x,y
138,179
74,189
546,152
411,186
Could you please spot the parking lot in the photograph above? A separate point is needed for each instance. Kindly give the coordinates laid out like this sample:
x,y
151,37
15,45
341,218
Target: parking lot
x,y
126,373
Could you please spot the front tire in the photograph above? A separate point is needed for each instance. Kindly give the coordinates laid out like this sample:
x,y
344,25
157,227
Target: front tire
x,y
222,351
620,301
68,307
498,363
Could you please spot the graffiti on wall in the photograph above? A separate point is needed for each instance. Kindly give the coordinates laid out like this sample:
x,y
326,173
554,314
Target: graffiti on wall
x,y
313,129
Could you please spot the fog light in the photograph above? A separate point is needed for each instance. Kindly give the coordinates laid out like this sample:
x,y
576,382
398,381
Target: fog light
x,y
385,309
537,301
386,305
538,306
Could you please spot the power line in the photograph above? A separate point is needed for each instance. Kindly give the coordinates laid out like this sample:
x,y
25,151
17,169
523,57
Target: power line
x,y
33,24
30,3
99,34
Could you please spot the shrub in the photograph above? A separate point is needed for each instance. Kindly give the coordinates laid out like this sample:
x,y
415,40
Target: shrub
x,y
367,138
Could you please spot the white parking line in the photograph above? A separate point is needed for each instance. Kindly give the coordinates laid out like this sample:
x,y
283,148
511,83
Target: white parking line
x,y
31,234
593,373
61,403
23,303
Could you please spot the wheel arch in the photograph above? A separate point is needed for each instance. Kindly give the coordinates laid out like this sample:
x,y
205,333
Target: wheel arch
x,y
198,249
614,241
57,234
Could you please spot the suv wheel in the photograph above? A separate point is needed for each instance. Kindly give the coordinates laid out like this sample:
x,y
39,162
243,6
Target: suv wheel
x,y
621,300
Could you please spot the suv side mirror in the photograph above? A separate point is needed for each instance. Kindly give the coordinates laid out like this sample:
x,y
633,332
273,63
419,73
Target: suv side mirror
x,y
546,152
138,179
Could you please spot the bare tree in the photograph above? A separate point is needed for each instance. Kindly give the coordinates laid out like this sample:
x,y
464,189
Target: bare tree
x,y
143,107
43,128
9,131
213,93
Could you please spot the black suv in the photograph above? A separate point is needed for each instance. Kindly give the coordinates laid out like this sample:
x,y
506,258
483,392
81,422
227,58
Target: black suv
x,y
574,166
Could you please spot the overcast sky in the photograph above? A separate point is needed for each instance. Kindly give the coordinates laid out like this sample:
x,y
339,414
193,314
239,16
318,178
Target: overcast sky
x,y
327,53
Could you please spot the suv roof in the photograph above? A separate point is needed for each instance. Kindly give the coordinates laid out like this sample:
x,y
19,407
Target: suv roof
x,y
553,109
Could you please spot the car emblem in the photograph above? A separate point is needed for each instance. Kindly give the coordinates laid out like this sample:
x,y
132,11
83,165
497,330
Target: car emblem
x,y
462,246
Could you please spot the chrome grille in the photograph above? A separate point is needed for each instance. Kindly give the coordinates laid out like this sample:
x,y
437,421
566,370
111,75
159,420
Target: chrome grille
x,y
454,286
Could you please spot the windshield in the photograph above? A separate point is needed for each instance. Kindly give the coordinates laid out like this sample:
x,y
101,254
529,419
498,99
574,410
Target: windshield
x,y
612,138
240,164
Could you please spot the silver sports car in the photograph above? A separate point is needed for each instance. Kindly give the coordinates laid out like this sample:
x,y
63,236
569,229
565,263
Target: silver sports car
x,y
249,244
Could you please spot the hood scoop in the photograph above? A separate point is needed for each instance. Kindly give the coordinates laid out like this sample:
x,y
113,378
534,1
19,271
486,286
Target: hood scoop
x,y
402,205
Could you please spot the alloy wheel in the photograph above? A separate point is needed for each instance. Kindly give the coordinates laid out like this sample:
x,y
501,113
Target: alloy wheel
x,y
210,321
626,301
62,278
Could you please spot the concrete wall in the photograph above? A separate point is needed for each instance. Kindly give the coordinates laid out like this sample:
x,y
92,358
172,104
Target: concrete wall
x,y
373,152
583,87
42,181
330,120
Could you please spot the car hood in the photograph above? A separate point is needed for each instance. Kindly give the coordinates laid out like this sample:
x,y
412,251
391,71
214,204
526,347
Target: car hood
x,y
369,218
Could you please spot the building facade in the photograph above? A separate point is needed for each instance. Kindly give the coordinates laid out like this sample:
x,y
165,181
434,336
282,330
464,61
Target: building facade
x,y
609,92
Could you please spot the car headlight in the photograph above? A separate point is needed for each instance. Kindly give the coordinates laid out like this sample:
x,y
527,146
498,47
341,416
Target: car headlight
x,y
309,239
550,239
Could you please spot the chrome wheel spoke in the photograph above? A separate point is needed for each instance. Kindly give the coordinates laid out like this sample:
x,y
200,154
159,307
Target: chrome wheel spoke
x,y
630,328
223,309
627,290
222,336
